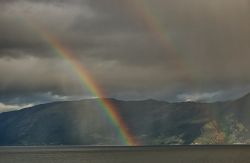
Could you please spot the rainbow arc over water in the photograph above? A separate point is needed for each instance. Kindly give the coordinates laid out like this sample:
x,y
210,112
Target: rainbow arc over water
x,y
126,137
153,24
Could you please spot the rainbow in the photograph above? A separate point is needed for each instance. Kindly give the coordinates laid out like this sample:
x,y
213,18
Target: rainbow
x,y
144,13
126,137
152,23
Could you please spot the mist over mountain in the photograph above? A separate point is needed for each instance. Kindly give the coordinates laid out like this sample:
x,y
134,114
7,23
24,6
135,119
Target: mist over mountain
x,y
151,122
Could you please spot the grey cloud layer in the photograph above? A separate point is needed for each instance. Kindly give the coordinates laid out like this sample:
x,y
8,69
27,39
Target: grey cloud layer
x,y
208,46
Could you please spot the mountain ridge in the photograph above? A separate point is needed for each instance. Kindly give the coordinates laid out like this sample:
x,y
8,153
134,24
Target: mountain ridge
x,y
152,122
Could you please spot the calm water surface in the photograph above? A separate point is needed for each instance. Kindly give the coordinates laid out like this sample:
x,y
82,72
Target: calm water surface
x,y
171,154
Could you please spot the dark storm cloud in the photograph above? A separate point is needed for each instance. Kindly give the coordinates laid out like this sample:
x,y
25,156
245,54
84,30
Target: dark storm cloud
x,y
203,48
106,30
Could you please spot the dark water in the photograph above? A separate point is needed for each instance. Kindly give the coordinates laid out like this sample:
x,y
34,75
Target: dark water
x,y
171,154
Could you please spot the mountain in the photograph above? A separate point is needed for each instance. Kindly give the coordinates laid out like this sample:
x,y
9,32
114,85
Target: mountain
x,y
151,122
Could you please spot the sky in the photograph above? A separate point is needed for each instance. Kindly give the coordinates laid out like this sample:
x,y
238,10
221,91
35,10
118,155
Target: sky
x,y
185,50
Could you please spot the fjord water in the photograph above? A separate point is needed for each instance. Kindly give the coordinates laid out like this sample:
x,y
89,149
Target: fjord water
x,y
173,154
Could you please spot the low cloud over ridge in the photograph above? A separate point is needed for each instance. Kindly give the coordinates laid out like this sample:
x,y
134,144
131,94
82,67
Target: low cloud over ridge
x,y
207,47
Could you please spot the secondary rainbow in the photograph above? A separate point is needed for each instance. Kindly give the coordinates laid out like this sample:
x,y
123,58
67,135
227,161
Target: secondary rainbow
x,y
145,14
126,137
